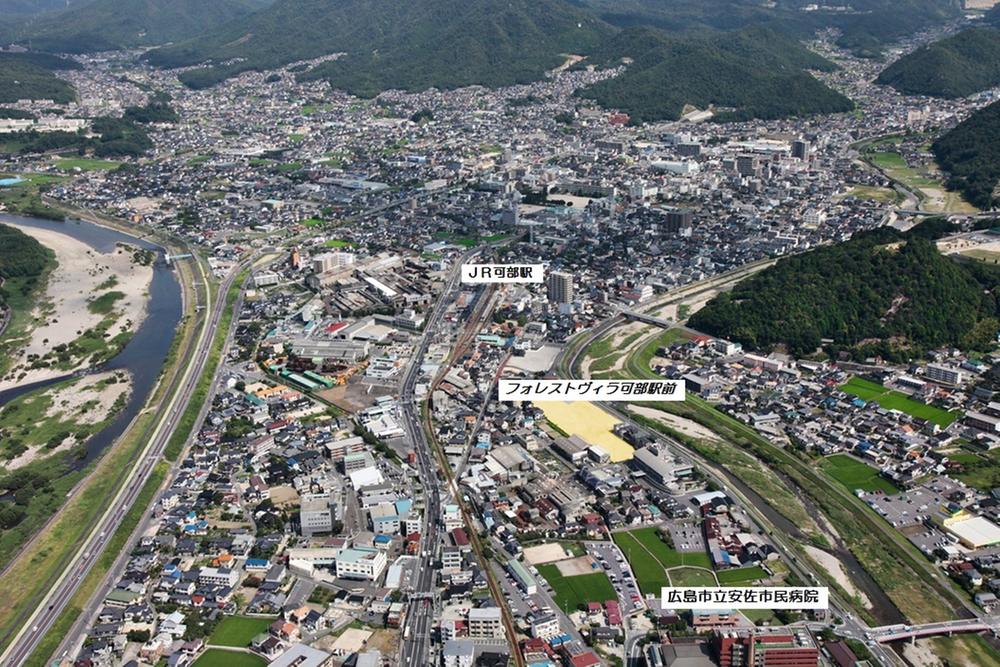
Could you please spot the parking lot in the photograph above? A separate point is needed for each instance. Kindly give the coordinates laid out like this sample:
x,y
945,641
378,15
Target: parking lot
x,y
686,536
521,605
616,567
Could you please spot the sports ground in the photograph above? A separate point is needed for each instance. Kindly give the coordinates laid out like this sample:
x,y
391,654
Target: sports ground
x,y
891,399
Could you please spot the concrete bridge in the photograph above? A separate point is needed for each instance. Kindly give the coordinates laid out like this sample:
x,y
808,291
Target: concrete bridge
x,y
892,633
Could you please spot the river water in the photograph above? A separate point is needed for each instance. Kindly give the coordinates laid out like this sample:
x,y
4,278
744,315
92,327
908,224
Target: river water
x,y
144,355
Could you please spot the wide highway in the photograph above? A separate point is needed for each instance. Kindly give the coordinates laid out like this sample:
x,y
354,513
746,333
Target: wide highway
x,y
416,642
34,629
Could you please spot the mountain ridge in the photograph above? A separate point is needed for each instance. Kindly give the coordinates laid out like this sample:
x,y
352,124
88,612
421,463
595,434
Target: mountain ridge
x,y
442,43
104,25
956,66
758,71
970,154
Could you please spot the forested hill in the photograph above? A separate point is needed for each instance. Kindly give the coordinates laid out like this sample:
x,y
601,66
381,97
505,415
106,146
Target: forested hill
x,y
865,30
411,45
970,154
29,7
758,72
879,293
103,25
21,257
30,76
956,66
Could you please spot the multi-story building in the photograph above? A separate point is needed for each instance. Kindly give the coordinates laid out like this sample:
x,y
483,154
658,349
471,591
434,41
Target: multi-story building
x,y
560,287
800,149
458,653
315,515
329,261
222,576
485,623
544,625
451,559
521,575
765,649
338,449
360,563
945,374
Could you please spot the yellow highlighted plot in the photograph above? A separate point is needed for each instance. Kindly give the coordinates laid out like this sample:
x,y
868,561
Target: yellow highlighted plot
x,y
590,423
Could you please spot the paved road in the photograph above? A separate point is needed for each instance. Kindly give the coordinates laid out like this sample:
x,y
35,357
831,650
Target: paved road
x,y
892,633
59,595
416,629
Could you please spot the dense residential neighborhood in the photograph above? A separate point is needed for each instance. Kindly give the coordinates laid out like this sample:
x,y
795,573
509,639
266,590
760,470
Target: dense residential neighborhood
x,y
342,482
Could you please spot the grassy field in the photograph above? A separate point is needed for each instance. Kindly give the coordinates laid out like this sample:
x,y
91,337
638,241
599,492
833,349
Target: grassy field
x,y
216,657
84,164
649,556
966,650
741,576
338,243
894,400
987,256
650,574
881,195
238,630
691,576
669,557
313,222
463,241
26,197
854,474
895,167
765,616
980,471
574,592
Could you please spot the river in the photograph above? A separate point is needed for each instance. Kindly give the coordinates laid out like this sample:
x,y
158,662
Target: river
x,y
145,354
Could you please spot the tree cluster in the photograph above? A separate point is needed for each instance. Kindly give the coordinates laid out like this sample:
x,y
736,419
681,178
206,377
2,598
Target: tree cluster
x,y
970,153
881,292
